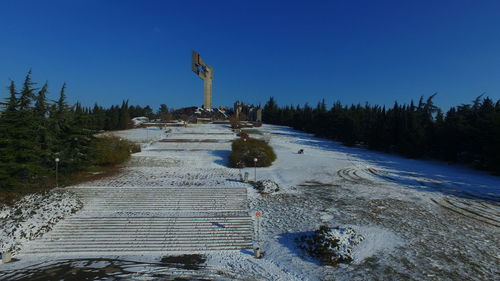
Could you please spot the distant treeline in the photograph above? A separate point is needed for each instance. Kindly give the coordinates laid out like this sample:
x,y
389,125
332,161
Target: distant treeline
x,y
117,117
468,133
35,131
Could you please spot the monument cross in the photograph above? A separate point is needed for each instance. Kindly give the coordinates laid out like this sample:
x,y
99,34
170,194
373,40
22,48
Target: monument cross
x,y
206,73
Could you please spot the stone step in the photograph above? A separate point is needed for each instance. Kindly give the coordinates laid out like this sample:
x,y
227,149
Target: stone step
x,y
219,203
115,242
148,240
123,250
165,190
137,219
168,214
97,234
159,210
180,225
158,216
157,223
161,200
93,237
229,207
169,197
147,228
62,233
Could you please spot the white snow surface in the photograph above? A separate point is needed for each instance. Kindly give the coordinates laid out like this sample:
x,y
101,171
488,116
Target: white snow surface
x,y
139,120
32,216
421,220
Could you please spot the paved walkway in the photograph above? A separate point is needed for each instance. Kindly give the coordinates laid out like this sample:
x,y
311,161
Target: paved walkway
x,y
169,198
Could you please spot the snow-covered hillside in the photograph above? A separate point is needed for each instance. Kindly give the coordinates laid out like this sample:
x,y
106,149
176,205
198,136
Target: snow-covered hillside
x,y
419,220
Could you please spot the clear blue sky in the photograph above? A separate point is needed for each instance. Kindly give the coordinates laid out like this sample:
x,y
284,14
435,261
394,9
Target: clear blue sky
x,y
352,51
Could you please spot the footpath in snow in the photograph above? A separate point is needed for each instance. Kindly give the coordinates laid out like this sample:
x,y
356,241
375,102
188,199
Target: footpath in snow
x,y
160,203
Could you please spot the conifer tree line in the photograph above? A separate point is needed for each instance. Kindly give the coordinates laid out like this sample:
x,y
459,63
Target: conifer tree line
x,y
468,133
35,130
117,117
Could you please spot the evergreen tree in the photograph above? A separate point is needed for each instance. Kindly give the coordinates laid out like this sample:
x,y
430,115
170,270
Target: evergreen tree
x,y
43,135
124,117
467,133
7,139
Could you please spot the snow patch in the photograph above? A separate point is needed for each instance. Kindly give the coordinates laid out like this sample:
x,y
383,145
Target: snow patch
x,y
376,240
139,120
32,216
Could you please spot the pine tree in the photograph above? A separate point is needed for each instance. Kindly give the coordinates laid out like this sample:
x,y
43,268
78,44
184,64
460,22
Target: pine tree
x,y
26,148
43,133
124,117
27,93
7,134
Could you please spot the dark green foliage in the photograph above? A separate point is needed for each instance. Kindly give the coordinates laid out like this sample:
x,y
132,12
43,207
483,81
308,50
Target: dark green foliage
x,y
467,133
33,132
7,138
163,113
244,150
124,117
19,147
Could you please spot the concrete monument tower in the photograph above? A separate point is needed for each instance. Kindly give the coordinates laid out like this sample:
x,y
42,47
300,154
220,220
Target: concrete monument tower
x,y
206,73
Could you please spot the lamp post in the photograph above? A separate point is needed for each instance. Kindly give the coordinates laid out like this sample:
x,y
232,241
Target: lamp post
x,y
57,170
255,168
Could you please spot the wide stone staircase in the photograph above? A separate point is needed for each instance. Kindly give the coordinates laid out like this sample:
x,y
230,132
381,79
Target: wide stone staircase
x,y
140,219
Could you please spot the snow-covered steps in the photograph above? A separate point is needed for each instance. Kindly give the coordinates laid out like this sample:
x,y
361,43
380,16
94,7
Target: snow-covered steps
x,y
172,177
163,199
134,219
112,234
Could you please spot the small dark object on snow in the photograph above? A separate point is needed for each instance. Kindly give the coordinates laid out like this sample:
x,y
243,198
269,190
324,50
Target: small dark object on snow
x,y
301,151
258,253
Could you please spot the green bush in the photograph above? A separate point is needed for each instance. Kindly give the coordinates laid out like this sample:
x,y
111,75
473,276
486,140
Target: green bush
x,y
112,150
244,150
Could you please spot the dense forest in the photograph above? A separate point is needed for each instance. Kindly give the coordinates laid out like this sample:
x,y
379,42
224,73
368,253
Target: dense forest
x,y
34,131
468,133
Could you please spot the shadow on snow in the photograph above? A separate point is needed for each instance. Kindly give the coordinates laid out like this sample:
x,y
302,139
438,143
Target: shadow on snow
x,y
433,176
